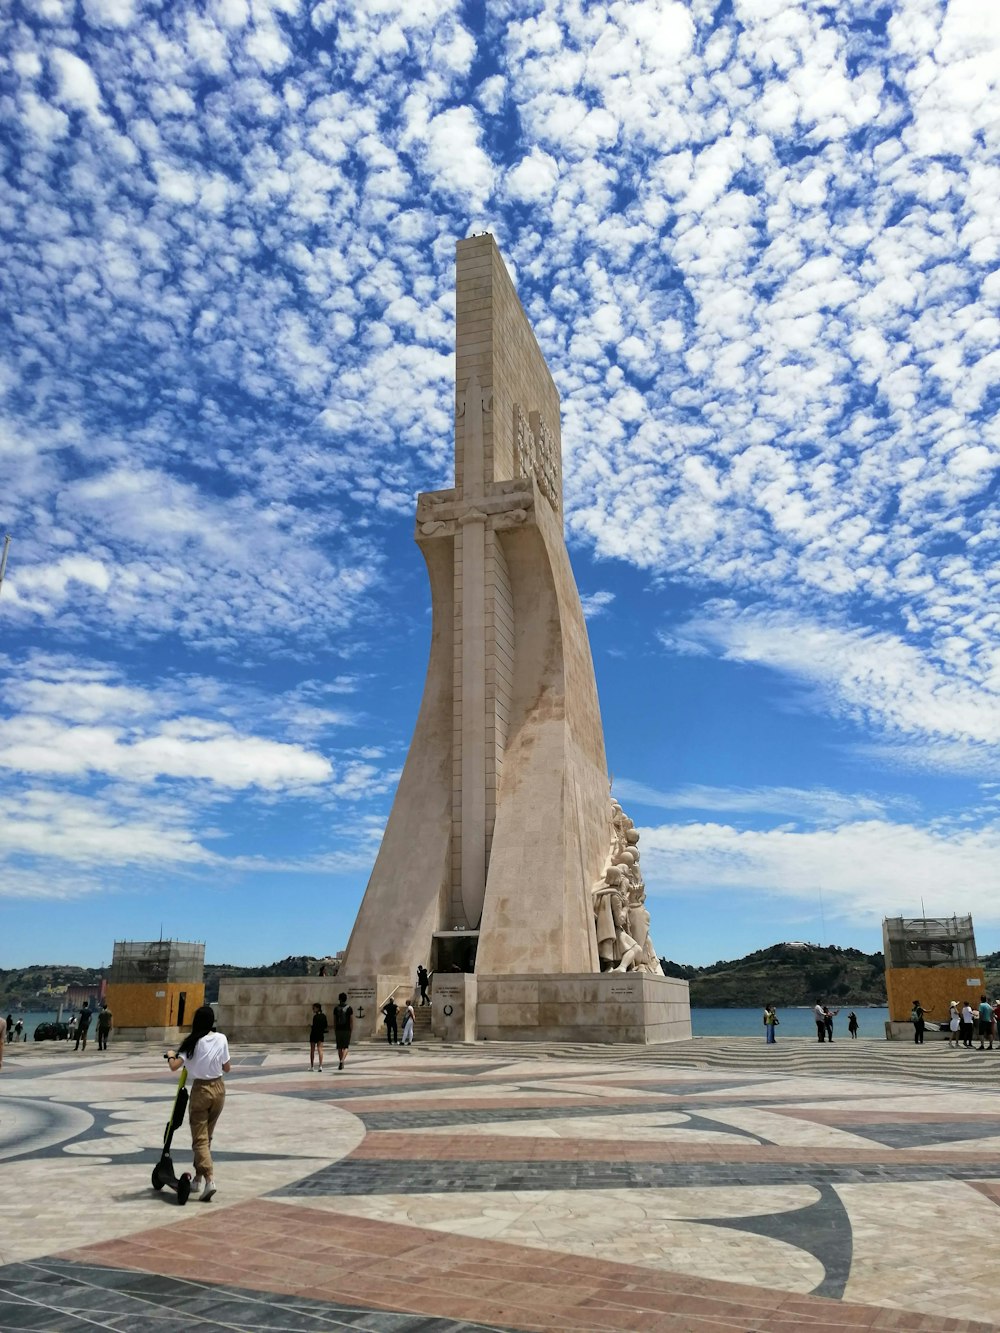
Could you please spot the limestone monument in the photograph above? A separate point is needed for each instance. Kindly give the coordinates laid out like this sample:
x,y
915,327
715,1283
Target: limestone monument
x,y
506,867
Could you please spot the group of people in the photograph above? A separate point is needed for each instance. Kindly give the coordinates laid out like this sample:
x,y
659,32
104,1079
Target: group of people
x,y
80,1027
343,1024
9,1031
14,1029
77,1029
823,1015
390,1016
965,1023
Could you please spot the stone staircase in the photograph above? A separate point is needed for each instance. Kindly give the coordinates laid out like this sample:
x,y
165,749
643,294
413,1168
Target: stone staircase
x,y
422,1024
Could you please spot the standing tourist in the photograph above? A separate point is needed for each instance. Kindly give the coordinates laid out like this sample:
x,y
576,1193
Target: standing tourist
x,y
828,1016
852,1025
917,1019
985,1022
409,1016
343,1026
422,981
819,1013
18,1029
71,1028
83,1026
9,1027
968,1025
390,1012
317,1031
770,1023
3,1041
204,1053
954,1023
103,1026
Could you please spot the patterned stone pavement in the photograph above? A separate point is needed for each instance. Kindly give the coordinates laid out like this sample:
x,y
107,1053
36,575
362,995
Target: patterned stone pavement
x,y
719,1186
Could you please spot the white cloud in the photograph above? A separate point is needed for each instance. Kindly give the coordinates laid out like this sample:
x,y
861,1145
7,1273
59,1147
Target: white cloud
x,y
75,721
88,833
266,47
180,749
490,94
534,178
596,603
77,85
455,158
864,870
810,805
109,13
872,677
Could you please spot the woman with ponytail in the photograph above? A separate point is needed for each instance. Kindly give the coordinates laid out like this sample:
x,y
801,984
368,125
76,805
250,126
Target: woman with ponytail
x,y
205,1055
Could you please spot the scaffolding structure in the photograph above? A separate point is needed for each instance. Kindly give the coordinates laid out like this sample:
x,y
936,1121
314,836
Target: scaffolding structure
x,y
935,941
158,961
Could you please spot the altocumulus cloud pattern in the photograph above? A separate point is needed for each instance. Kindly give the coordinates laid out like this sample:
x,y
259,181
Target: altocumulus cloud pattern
x,y
759,244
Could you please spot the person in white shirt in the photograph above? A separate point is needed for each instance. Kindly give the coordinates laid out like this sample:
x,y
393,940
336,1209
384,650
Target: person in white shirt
x,y
408,1017
968,1019
954,1023
819,1013
205,1055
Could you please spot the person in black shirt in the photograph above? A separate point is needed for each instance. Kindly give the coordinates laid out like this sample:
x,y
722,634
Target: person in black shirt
x,y
83,1026
343,1026
391,1009
317,1031
103,1026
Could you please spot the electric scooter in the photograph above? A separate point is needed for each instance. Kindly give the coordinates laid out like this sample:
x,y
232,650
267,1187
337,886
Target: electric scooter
x,y
163,1171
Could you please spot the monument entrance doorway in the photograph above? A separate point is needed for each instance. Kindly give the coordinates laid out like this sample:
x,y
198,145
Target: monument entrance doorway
x,y
454,951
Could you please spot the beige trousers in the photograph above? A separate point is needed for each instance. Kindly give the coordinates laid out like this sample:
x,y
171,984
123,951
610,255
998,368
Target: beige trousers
x,y
207,1100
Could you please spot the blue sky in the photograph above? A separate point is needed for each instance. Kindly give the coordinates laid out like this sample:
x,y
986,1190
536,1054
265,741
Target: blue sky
x,y
759,244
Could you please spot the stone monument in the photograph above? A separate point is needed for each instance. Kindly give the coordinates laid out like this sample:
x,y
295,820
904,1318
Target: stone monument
x,y
506,867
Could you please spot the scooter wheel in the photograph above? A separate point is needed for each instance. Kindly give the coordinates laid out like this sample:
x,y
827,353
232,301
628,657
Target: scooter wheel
x,y
183,1188
157,1183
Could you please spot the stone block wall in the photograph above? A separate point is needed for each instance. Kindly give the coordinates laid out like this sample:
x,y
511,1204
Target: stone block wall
x,y
606,1007
279,1009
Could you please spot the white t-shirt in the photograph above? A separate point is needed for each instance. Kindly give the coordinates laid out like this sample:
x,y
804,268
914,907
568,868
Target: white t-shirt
x,y
818,1014
211,1053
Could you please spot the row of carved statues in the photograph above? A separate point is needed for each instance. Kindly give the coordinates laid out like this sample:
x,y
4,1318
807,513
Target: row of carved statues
x,y
620,914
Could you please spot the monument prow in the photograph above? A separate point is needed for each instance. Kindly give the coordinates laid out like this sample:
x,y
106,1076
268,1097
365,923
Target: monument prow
x,y
498,859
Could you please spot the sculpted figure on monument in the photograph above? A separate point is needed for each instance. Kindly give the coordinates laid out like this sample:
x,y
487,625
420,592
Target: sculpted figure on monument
x,y
620,915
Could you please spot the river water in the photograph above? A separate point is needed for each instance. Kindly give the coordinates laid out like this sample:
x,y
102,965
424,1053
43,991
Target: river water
x,y
791,1023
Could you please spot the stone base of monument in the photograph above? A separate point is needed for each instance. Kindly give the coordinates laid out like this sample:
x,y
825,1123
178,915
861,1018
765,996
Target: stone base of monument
x,y
635,1008
279,1009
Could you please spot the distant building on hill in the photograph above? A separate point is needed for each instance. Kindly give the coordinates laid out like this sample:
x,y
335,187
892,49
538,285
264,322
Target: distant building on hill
x,y
93,995
930,959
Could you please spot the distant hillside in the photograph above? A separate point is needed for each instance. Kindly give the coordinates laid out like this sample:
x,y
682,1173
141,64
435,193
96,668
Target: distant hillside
x,y
797,974
787,974
297,965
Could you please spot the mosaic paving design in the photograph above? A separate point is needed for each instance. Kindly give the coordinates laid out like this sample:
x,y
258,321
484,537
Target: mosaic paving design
x,y
545,1190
